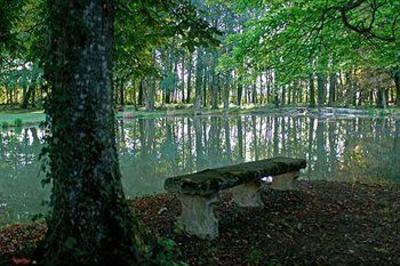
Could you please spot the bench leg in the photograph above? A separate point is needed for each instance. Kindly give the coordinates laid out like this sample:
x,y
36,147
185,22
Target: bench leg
x,y
197,216
285,181
248,195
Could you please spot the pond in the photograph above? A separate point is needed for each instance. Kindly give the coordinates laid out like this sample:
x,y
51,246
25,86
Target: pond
x,y
356,149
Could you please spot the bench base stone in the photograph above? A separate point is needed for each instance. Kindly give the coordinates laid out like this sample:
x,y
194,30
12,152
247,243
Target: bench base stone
x,y
198,217
285,181
248,195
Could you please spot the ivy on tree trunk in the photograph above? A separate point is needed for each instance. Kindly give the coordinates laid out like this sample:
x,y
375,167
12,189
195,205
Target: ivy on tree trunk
x,y
91,223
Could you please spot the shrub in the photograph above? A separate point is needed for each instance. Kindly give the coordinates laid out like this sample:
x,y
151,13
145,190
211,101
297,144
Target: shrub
x,y
4,124
18,122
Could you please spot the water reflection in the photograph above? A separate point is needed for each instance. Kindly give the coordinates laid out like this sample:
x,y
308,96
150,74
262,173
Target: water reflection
x,y
153,149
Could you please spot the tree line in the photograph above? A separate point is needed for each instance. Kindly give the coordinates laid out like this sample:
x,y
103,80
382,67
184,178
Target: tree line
x,y
320,60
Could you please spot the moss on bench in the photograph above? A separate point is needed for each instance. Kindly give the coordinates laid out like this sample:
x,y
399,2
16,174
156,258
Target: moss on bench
x,y
211,181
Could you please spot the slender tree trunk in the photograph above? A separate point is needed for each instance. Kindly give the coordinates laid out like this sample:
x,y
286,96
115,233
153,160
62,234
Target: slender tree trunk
x,y
332,89
381,98
283,95
33,97
239,91
312,90
150,95
121,93
214,82
205,83
26,97
199,72
349,89
141,93
189,82
183,79
254,94
214,90
226,88
397,82
91,223
321,89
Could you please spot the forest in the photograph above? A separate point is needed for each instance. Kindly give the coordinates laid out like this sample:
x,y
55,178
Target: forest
x,y
217,54
199,132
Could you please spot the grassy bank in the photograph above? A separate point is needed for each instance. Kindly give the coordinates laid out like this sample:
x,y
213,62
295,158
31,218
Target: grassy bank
x,y
13,118
321,223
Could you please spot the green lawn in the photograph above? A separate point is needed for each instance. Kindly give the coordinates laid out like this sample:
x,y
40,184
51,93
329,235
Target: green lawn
x,y
9,118
12,118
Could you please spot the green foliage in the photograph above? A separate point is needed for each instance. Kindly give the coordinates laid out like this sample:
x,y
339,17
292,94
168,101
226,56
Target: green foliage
x,y
5,124
167,253
9,12
305,36
142,26
18,122
255,256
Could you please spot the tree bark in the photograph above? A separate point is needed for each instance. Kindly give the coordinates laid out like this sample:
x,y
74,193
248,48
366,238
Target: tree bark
x,y
239,92
183,78
27,94
332,89
226,88
91,223
321,89
206,79
150,95
312,90
397,83
189,81
141,93
381,98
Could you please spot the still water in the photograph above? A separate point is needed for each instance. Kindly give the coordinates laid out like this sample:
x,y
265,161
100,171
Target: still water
x,y
357,149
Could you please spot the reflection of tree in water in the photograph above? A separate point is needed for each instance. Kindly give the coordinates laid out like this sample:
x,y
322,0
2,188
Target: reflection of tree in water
x,y
365,151
21,194
154,149
332,147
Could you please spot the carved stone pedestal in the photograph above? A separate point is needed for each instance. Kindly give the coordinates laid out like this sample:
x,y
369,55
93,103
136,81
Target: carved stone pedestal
x,y
285,181
248,195
198,217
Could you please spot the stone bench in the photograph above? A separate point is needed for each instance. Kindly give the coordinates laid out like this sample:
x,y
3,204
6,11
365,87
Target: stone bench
x,y
198,192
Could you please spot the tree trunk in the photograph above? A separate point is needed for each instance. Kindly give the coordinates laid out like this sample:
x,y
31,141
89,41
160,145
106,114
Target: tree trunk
x,y
214,90
91,223
254,94
205,82
226,88
141,93
183,78
332,89
397,82
150,95
189,81
321,89
312,90
239,92
283,95
199,72
381,98
350,89
26,97
121,93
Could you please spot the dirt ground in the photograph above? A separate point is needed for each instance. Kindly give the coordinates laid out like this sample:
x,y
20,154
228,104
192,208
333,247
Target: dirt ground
x,y
320,224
